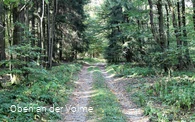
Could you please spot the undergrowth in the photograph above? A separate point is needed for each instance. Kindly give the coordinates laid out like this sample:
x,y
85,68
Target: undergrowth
x,y
45,89
105,105
165,98
176,96
128,70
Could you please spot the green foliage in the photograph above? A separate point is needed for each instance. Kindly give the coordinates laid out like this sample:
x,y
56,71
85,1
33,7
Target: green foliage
x,y
128,70
164,99
46,89
71,16
24,59
128,39
157,115
14,2
94,30
113,13
179,93
168,58
46,1
23,62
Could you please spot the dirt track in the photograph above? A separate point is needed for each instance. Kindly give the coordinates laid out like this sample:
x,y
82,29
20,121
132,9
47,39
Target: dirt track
x,y
80,98
83,92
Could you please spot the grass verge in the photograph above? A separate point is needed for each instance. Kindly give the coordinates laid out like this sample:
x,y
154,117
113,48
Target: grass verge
x,y
44,89
128,70
104,103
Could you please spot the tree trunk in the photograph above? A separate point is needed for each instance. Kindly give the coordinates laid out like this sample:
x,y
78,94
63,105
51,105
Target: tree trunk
x,y
168,28
185,42
60,48
152,21
33,30
176,31
161,26
193,2
162,37
49,36
179,42
16,27
2,33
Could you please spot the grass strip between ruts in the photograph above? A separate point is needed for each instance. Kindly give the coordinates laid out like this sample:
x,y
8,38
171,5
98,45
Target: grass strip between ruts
x,y
105,104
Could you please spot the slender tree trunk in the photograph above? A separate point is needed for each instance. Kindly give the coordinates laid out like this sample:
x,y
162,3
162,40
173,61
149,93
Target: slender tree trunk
x,y
193,2
2,33
41,24
161,25
177,32
52,54
16,27
185,42
22,21
140,40
162,37
33,30
60,48
48,35
168,24
10,40
152,21
179,41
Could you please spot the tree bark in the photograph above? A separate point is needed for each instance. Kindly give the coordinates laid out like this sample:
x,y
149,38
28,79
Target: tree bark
x,y
2,33
185,42
168,24
152,21
16,27
179,41
177,32
193,2
48,35
162,36
60,48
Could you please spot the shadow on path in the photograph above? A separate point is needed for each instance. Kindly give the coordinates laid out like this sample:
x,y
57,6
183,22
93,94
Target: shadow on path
x,y
128,108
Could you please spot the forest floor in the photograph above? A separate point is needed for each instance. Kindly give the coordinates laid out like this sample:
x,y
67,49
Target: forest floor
x,y
81,97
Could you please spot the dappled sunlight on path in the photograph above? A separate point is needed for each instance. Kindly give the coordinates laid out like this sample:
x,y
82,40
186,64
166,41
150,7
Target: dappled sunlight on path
x,y
80,99
128,108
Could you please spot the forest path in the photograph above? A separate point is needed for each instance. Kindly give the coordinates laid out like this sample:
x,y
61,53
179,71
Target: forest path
x,y
79,100
128,108
83,92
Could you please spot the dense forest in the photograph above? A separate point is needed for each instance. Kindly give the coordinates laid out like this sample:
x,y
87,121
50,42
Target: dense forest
x,y
154,32
46,45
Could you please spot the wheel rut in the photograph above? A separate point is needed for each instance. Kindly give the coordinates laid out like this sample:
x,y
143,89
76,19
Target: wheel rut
x,y
83,91
128,108
77,107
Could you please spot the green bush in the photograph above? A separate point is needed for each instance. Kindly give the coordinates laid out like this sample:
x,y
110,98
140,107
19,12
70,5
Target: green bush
x,y
176,95
179,93
47,88
128,70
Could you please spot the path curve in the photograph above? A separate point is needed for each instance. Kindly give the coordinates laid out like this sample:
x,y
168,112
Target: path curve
x,y
129,109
